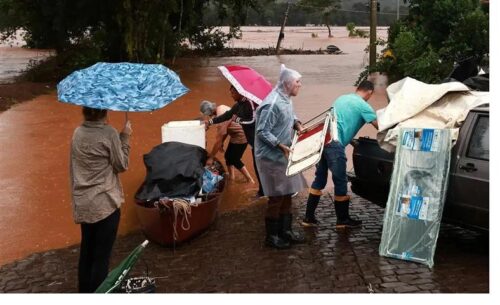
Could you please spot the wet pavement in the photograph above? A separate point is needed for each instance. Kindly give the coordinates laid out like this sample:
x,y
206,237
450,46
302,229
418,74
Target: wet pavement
x,y
231,257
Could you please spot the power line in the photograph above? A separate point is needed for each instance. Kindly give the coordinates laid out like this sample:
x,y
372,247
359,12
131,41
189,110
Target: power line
x,y
349,11
379,13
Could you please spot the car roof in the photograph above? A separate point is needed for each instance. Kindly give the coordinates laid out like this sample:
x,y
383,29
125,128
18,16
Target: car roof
x,y
482,108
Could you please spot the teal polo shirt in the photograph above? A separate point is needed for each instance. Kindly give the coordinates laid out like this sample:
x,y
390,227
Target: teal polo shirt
x,y
352,113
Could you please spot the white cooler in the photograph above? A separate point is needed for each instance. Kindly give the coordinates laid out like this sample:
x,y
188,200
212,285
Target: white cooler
x,y
189,132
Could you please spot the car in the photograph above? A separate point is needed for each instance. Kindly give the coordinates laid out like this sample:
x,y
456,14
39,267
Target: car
x,y
467,200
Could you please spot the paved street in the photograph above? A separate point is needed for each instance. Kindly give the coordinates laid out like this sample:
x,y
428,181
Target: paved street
x,y
231,257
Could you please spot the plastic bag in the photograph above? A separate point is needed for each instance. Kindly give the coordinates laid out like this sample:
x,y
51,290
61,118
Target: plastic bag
x,y
417,194
210,181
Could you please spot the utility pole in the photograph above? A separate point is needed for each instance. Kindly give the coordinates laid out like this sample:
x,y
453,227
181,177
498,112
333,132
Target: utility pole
x,y
373,32
282,35
397,10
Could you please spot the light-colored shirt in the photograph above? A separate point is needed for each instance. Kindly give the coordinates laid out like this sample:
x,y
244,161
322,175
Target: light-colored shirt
x,y
97,155
352,113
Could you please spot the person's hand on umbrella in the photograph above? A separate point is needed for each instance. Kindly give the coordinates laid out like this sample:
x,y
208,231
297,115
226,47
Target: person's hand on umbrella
x,y
285,149
127,129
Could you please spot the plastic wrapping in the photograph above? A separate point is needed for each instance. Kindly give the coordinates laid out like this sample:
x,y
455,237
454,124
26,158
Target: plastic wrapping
x,y
417,195
173,169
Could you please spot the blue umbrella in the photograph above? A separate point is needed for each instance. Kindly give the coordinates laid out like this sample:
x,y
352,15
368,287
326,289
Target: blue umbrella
x,y
121,87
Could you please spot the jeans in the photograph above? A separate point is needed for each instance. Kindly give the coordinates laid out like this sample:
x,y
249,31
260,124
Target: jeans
x,y
333,159
95,250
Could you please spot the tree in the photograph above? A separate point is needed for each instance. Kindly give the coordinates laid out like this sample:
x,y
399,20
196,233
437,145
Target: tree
x,y
326,8
434,36
145,31
47,24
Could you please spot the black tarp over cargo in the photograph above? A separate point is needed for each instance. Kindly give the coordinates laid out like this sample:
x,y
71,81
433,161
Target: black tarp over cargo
x,y
173,170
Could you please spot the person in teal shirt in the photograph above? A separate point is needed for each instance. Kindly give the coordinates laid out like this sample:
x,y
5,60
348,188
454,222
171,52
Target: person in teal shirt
x,y
351,112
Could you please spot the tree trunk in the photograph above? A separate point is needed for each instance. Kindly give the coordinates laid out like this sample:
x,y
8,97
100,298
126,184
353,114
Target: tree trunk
x,y
326,20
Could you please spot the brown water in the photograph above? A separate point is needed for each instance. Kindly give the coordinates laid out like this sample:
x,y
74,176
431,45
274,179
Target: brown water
x,y
13,60
35,137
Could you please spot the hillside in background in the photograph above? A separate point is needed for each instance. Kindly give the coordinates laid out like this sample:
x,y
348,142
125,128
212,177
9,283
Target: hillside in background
x,y
350,11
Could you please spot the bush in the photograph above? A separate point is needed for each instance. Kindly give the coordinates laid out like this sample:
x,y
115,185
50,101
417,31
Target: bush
x,y
350,27
353,32
212,38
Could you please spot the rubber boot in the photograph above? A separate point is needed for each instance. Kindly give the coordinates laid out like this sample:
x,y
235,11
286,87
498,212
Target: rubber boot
x,y
312,203
343,218
273,228
287,233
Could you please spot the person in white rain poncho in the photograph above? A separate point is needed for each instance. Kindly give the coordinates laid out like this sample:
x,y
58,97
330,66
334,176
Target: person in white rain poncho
x,y
275,121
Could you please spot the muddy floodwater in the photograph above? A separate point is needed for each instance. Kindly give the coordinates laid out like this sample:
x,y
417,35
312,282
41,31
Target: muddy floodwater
x,y
35,136
14,58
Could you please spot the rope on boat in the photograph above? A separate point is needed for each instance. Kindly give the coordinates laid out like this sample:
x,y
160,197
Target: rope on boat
x,y
180,207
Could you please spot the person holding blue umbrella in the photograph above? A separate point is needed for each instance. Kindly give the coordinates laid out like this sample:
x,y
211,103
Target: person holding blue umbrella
x,y
99,153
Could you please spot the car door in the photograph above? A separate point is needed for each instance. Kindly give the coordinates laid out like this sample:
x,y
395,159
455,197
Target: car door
x,y
468,202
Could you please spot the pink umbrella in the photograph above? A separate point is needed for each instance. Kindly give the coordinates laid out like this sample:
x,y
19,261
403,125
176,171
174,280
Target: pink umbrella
x,y
247,82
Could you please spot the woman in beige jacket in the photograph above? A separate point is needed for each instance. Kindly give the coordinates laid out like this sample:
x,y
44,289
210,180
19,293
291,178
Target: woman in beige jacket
x,y
98,154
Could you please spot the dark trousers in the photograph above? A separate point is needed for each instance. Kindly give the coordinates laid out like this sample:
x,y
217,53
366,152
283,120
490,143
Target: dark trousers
x,y
95,251
233,154
250,134
261,191
278,205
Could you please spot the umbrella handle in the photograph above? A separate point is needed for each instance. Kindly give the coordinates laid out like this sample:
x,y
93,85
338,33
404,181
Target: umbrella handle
x,y
126,116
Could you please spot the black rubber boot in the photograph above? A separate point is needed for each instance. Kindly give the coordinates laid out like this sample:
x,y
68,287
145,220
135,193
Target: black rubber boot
x,y
343,218
312,203
273,239
287,233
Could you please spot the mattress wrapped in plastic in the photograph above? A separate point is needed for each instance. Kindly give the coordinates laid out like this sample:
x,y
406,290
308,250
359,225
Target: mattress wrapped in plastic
x,y
417,195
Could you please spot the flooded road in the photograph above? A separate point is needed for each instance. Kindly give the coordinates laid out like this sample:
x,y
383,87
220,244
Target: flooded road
x,y
35,138
14,58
